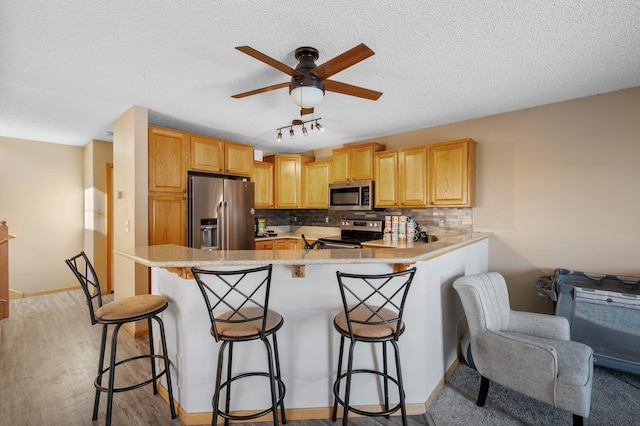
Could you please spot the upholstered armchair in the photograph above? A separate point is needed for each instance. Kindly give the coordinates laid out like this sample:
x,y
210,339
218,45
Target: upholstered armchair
x,y
527,352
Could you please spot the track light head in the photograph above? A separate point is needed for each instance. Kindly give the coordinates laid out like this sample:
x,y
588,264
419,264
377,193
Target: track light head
x,y
279,136
291,133
319,127
304,131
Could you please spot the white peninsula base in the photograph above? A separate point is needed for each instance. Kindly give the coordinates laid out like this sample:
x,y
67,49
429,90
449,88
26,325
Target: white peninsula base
x,y
307,342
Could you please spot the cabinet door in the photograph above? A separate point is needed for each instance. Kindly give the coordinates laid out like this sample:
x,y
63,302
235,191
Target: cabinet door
x,y
341,165
264,245
412,168
239,159
452,173
386,179
207,154
362,162
262,177
168,154
167,219
315,185
281,244
287,182
294,244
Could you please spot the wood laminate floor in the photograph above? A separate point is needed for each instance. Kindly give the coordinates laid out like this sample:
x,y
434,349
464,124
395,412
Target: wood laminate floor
x,y
48,360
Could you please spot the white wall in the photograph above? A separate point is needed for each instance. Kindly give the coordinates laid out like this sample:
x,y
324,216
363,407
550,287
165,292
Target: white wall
x,y
41,198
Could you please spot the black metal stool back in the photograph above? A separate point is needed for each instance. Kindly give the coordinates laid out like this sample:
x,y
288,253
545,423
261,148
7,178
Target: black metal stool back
x,y
374,301
236,297
86,275
143,307
238,305
373,307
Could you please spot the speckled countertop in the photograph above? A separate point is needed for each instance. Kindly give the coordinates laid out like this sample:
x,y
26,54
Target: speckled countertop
x,y
174,256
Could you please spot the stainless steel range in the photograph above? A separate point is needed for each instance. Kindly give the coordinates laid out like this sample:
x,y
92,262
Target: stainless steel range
x,y
353,232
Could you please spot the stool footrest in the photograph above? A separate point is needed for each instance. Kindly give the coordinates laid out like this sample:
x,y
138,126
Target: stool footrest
x,y
134,386
281,392
391,410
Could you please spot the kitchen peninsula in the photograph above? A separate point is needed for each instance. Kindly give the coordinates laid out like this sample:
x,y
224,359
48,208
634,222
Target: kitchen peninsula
x,y
308,345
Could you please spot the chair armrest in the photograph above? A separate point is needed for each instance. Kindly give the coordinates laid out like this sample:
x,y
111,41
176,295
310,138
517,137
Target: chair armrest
x,y
523,365
540,325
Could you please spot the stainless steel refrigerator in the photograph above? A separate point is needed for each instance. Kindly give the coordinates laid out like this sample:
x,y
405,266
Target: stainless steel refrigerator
x,y
221,213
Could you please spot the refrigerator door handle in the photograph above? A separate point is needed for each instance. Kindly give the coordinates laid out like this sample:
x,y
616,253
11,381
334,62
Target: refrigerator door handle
x,y
226,225
221,229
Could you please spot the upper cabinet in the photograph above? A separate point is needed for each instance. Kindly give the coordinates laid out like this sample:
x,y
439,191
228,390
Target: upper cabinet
x,y
211,155
354,163
315,185
401,178
262,177
412,177
452,174
385,186
168,159
287,169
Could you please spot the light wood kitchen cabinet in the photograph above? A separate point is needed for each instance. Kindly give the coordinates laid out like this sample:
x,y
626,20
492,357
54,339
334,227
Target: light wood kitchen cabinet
x,y
262,177
212,155
452,174
238,159
281,244
168,159
315,184
354,163
386,179
412,174
287,173
264,245
167,219
401,178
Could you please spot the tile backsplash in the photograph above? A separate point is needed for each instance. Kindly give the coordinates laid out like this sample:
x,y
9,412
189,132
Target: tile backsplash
x,y
438,220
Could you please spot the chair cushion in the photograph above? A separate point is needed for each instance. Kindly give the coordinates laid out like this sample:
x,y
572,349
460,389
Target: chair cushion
x,y
247,328
367,331
130,307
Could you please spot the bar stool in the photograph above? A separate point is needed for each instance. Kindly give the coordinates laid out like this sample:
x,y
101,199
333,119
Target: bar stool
x,y
118,313
238,306
373,306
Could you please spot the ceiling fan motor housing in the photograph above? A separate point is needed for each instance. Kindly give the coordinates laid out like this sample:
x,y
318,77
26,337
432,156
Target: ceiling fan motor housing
x,y
306,56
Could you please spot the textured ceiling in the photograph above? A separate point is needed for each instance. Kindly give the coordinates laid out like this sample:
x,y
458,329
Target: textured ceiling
x,y
69,68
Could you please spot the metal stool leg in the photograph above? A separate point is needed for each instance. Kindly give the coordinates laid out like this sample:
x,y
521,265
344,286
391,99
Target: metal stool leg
x,y
335,391
112,372
103,344
403,408
386,377
216,392
152,358
279,376
229,369
272,384
167,366
345,414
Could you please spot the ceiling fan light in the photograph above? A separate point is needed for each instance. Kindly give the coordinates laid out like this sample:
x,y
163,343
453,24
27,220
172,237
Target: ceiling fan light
x,y
291,133
279,136
306,96
304,131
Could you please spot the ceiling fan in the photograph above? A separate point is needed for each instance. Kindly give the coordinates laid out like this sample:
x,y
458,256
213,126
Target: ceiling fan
x,y
308,80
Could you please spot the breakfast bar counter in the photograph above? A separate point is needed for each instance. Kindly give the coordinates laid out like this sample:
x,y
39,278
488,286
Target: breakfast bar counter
x,y
308,344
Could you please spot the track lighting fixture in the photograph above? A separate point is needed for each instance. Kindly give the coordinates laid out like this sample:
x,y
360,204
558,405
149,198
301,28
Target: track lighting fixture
x,y
305,132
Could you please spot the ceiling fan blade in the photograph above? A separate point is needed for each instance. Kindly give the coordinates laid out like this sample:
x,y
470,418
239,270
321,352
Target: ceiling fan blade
x,y
340,62
305,111
269,61
348,89
264,89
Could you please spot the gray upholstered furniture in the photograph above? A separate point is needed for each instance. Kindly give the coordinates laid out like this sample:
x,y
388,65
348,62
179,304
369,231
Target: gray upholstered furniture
x,y
527,352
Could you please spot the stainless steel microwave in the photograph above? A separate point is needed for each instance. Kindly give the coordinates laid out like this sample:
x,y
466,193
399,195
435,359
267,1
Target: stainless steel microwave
x,y
356,195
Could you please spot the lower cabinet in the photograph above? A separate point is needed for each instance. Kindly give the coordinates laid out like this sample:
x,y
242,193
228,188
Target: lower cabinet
x,y
264,245
167,219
